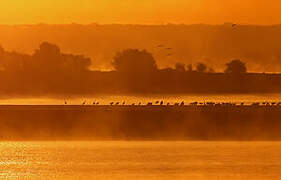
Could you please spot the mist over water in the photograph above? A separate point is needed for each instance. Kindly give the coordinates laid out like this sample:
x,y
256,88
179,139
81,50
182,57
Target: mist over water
x,y
140,160
147,101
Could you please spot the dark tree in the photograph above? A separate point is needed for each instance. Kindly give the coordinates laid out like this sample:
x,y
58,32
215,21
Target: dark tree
x,y
211,70
201,67
236,67
12,61
189,68
180,67
134,61
51,58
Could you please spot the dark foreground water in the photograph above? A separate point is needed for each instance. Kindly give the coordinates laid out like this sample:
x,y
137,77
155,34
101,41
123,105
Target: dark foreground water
x,y
140,160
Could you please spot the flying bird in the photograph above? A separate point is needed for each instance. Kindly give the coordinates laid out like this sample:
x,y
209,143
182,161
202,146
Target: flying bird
x,y
160,46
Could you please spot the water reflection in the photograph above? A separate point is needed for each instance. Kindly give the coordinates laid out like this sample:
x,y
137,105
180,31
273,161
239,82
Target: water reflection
x,y
140,160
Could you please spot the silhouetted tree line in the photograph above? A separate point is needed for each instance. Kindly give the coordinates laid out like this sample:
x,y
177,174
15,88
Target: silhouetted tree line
x,y
48,71
258,46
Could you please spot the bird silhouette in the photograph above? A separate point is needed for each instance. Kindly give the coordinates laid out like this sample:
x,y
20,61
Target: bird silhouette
x,y
84,103
233,25
111,103
65,102
160,46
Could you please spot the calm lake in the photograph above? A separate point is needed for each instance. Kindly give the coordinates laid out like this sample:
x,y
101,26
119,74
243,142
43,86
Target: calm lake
x,y
148,160
140,160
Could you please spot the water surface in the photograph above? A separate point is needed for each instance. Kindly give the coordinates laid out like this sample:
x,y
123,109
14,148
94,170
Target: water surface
x,y
140,160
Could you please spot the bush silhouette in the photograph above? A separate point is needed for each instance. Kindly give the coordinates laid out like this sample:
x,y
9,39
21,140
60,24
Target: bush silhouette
x,y
180,67
202,68
236,67
134,61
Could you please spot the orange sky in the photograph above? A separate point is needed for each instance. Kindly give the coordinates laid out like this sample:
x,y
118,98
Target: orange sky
x,y
140,11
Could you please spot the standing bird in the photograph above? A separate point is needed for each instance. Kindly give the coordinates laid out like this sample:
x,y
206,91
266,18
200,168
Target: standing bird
x,y
233,25
123,103
161,103
84,103
65,102
111,103
94,103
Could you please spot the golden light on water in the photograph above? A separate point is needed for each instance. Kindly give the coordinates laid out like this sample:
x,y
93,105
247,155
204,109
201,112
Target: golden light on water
x,y
139,160
147,136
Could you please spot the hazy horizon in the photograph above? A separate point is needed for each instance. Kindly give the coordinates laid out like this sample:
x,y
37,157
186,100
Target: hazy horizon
x,y
140,89
214,45
141,12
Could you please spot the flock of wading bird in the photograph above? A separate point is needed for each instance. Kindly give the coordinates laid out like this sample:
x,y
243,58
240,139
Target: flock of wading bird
x,y
161,103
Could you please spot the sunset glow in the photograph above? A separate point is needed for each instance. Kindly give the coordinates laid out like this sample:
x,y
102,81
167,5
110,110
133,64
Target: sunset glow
x,y
140,12
140,89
